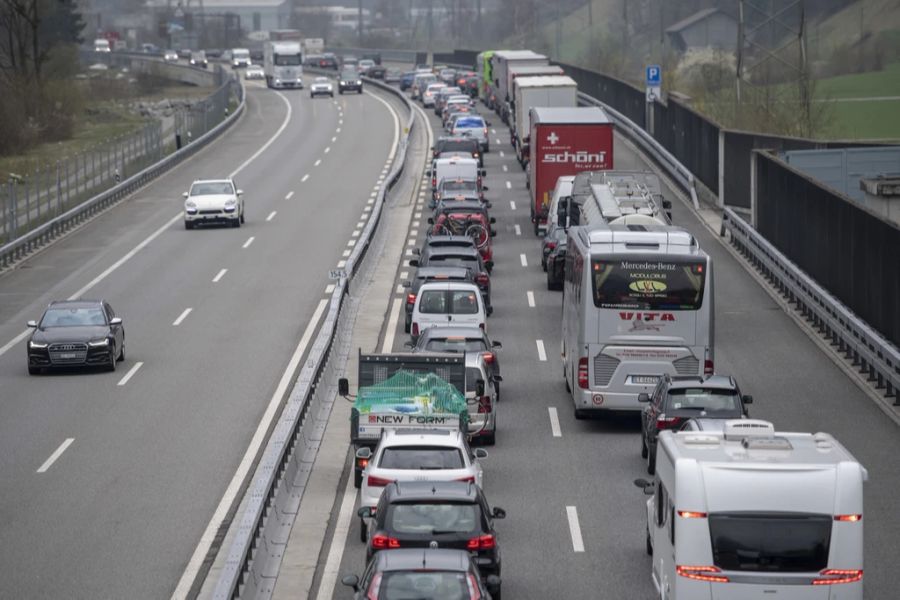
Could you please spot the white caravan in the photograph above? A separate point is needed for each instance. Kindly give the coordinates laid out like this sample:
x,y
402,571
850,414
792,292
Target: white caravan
x,y
751,513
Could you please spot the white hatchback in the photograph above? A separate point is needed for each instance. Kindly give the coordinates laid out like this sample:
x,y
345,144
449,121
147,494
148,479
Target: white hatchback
x,y
429,93
417,455
448,303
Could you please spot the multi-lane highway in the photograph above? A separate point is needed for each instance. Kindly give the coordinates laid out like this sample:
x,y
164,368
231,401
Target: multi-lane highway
x,y
111,479
575,525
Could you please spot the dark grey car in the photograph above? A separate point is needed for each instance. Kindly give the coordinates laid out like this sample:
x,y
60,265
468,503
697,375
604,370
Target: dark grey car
x,y
76,333
463,339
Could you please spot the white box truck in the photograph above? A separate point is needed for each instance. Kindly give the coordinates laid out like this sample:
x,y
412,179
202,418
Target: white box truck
x,y
283,64
501,61
556,91
749,512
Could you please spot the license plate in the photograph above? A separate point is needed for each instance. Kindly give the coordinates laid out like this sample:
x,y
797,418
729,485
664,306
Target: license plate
x,y
644,379
68,355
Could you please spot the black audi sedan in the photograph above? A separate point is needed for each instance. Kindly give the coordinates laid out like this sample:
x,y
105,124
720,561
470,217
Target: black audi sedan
x,y
76,333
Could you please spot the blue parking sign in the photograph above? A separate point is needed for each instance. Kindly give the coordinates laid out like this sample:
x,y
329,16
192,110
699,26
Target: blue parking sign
x,y
654,75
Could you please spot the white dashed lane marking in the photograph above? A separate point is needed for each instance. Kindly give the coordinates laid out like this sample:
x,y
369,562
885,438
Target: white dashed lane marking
x,y
524,260
554,422
131,373
219,276
182,317
56,454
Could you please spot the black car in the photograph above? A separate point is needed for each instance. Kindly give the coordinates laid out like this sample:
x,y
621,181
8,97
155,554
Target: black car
x,y
556,266
469,258
553,238
373,56
426,274
76,333
676,399
328,61
462,339
376,72
451,145
350,80
257,55
437,514
458,189
312,60
424,574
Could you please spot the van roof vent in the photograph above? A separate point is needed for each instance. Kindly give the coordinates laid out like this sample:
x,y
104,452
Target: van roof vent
x,y
741,428
766,443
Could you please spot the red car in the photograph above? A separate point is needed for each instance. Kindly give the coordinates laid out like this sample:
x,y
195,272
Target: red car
x,y
466,217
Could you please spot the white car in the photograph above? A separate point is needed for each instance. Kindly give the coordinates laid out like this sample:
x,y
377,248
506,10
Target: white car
x,y
448,303
321,85
417,455
170,56
430,91
483,409
254,72
213,201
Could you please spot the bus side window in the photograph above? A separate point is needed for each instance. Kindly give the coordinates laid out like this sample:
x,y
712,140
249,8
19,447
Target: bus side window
x,y
671,512
662,504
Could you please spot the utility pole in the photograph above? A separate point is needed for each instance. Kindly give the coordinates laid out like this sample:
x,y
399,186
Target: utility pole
x,y
558,29
359,23
430,25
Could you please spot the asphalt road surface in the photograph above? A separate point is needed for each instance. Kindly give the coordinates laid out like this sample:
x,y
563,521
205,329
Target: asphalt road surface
x,y
540,477
118,511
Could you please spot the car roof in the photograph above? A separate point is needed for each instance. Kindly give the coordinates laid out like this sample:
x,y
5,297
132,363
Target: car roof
x,y
432,490
705,382
442,438
449,239
436,559
425,272
473,205
453,251
82,303
227,180
454,331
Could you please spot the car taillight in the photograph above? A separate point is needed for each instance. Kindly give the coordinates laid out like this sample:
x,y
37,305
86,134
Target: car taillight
x,y
482,542
362,462
551,245
583,372
433,182
383,542
373,481
664,422
708,367
415,329
833,576
701,573
469,479
410,298
691,514
488,357
482,279
484,405
848,518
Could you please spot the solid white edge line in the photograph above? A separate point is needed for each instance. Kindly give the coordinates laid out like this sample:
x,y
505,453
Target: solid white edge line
x,y
523,260
339,541
56,454
158,232
530,295
209,535
182,317
542,354
554,422
130,373
249,241
388,344
271,215
575,529
219,276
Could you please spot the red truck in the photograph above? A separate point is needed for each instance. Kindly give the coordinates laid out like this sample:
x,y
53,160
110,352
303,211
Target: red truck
x,y
565,141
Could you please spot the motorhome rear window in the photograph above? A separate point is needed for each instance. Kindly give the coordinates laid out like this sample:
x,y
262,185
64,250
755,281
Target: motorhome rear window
x,y
770,542
648,284
421,457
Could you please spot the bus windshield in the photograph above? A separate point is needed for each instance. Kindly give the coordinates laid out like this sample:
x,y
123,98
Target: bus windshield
x,y
648,283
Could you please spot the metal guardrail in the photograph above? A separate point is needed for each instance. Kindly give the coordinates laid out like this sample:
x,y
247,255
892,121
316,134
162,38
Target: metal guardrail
x,y
276,490
45,233
871,353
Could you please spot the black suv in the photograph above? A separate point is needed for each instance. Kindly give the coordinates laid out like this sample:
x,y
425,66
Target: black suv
x,y
437,514
74,333
350,80
679,398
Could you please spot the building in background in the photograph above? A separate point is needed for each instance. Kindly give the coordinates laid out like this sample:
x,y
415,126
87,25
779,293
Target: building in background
x,y
708,28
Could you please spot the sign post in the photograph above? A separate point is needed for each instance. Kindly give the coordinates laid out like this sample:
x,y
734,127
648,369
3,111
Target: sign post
x,y
654,92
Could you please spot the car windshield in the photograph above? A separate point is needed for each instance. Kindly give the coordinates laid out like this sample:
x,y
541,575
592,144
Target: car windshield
x,y
73,317
241,54
649,284
287,60
212,188
423,585
321,80
349,74
702,402
770,542
467,146
421,457
456,344
459,186
429,518
469,123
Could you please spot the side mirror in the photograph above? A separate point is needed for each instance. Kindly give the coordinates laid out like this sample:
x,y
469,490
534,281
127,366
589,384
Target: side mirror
x,y
343,387
643,397
747,399
365,453
240,192
431,220
417,252
489,265
479,387
498,513
351,581
485,188
497,378
184,194
492,581
493,232
496,344
489,204
414,262
667,204
648,486
428,172
480,453
115,321
32,323
483,172
493,220
365,512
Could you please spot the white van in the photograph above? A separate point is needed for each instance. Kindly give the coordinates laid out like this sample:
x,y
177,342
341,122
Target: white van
x,y
457,167
754,513
102,45
447,303
562,189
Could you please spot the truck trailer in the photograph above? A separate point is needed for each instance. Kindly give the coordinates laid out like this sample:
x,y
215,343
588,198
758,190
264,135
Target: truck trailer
x,y
501,62
531,92
283,65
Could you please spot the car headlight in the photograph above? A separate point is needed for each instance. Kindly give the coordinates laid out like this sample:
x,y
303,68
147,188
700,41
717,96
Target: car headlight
x,y
358,82
190,204
36,345
99,343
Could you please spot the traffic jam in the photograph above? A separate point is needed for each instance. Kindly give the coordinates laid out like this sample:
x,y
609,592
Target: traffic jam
x,y
735,508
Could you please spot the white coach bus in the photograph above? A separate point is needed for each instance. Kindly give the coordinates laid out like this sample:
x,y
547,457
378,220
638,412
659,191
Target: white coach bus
x,y
754,513
637,303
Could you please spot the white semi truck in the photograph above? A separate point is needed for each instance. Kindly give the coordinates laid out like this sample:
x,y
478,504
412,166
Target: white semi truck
x,y
283,64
